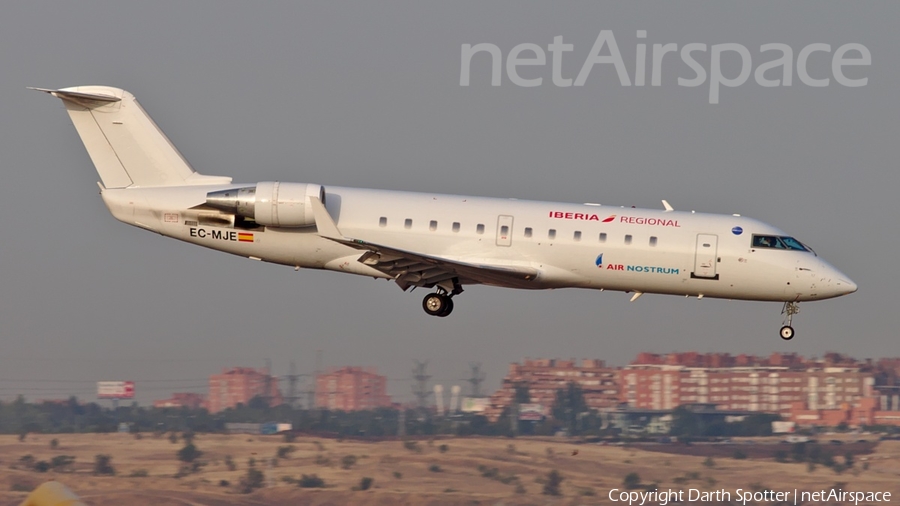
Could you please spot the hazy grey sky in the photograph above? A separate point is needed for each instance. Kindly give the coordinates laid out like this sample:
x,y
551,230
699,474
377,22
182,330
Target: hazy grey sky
x,y
368,94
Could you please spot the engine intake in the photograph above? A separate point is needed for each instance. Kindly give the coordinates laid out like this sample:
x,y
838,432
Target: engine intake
x,y
269,203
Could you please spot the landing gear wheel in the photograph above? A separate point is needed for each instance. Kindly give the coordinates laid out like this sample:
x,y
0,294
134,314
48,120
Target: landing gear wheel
x,y
437,304
787,332
789,310
448,308
433,304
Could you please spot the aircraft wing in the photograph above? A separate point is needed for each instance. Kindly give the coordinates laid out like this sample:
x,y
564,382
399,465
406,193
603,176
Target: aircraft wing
x,y
409,268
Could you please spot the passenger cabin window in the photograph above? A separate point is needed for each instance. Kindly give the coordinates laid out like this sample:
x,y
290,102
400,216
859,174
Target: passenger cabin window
x,y
627,239
577,235
456,226
552,233
382,222
407,223
602,236
528,231
432,226
778,242
479,229
652,241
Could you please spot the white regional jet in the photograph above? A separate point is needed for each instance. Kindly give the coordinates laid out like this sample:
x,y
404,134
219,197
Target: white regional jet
x,y
439,241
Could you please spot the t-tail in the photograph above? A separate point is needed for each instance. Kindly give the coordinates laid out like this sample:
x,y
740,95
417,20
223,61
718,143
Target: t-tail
x,y
126,146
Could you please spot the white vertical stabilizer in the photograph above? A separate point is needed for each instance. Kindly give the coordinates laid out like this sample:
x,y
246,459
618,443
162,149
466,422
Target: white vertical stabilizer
x,y
126,146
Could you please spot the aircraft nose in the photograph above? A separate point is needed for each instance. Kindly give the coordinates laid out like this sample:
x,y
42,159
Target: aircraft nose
x,y
825,281
847,285
840,283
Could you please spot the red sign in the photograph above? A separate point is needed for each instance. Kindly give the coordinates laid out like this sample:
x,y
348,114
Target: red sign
x,y
115,390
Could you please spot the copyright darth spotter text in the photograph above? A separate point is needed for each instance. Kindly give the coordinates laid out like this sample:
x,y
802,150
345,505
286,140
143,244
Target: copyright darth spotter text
x,y
744,497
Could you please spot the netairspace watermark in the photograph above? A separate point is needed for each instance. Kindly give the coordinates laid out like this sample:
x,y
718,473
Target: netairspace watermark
x,y
745,497
704,61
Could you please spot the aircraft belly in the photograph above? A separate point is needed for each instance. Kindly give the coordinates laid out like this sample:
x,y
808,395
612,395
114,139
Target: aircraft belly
x,y
295,248
351,264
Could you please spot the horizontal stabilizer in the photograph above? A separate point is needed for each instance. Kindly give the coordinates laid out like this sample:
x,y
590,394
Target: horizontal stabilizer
x,y
77,96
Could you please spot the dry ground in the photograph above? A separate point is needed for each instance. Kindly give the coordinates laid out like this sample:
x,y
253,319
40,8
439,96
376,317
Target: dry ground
x,y
593,470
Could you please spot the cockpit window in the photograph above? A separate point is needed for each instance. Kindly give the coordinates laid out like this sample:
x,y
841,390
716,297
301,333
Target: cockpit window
x,y
778,242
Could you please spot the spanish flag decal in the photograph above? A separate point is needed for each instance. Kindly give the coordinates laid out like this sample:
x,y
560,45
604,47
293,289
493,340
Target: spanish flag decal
x,y
245,237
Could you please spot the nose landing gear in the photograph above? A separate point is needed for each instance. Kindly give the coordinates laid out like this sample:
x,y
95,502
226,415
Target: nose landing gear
x,y
438,304
789,310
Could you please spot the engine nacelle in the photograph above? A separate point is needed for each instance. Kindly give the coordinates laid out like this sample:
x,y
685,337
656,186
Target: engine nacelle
x,y
269,203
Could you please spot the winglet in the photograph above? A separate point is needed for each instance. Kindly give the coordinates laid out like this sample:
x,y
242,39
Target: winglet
x,y
667,205
324,223
636,296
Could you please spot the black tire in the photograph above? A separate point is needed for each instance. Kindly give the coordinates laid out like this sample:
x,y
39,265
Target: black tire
x,y
787,332
448,306
434,304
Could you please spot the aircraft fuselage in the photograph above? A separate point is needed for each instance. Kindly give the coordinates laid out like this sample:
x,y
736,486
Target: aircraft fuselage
x,y
571,245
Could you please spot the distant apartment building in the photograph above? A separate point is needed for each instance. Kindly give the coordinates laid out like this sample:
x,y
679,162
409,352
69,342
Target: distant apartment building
x,y
775,384
351,389
544,377
888,397
240,384
181,400
882,408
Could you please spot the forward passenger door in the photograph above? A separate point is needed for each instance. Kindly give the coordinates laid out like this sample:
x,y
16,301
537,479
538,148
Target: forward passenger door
x,y
705,257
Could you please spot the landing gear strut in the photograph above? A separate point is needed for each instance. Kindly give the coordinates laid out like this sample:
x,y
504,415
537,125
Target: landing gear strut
x,y
438,304
789,310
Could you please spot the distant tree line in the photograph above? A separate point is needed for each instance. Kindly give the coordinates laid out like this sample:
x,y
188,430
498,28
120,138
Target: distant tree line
x,y
569,413
686,423
21,417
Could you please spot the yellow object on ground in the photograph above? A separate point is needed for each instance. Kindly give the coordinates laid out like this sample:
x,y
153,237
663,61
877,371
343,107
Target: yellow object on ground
x,y
52,493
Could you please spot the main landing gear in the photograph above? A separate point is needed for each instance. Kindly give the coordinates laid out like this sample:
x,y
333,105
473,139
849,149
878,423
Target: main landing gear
x,y
789,310
438,304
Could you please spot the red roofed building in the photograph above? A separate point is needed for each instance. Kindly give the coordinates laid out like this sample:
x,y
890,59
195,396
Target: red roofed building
x,y
544,377
239,385
780,383
351,389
